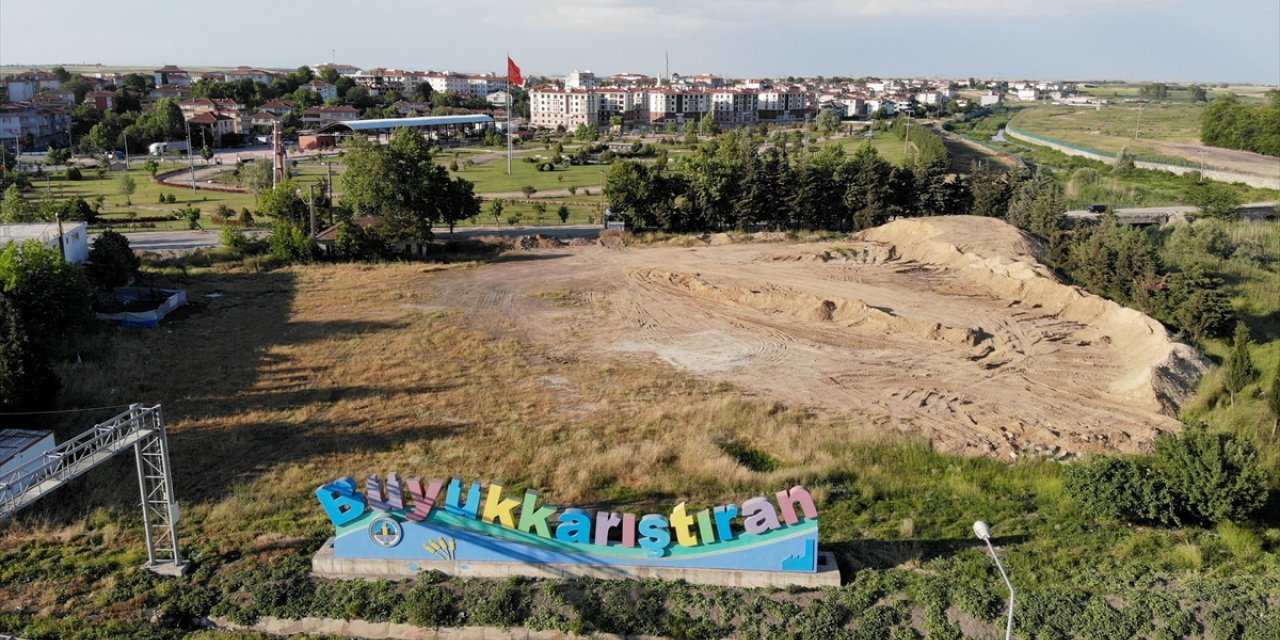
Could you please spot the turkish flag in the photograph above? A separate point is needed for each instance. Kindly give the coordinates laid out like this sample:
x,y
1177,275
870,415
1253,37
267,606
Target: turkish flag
x,y
513,73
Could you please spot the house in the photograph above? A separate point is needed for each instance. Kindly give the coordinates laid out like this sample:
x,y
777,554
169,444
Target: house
x,y
24,86
73,242
217,124
101,100
321,115
33,127
498,98
1028,93
342,69
225,107
172,92
405,107
326,91
264,119
260,76
279,107
989,98
171,75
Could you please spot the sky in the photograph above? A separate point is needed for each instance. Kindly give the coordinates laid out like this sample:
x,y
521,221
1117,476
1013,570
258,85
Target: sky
x,y
1132,40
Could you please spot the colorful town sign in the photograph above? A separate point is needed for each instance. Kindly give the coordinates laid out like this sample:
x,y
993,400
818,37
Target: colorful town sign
x,y
404,519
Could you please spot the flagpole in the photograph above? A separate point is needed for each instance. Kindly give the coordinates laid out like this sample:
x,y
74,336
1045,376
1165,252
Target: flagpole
x,y
510,104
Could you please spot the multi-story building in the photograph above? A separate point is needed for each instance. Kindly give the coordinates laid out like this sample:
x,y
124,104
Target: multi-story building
x,y
33,127
632,80
735,106
227,108
448,82
552,107
171,75
101,100
782,104
631,104
260,76
326,91
216,124
24,86
678,105
581,80
316,116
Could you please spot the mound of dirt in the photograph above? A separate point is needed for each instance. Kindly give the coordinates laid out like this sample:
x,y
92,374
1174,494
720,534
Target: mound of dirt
x,y
849,313
950,328
1006,262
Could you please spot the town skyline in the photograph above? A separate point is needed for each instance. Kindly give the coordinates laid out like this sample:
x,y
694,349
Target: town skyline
x,y
1141,40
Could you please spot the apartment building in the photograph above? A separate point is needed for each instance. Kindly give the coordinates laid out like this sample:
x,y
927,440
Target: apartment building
x,y
735,106
551,107
239,117
678,105
171,75
782,104
24,86
581,80
631,104
32,127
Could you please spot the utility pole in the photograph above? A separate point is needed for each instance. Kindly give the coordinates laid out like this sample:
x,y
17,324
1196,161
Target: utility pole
x,y
311,193
191,159
329,167
1137,127
126,150
62,244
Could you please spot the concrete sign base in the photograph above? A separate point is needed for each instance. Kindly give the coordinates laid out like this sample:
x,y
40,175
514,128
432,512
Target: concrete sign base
x,y
326,564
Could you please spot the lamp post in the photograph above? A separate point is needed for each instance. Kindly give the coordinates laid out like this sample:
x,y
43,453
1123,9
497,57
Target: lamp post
x,y
983,532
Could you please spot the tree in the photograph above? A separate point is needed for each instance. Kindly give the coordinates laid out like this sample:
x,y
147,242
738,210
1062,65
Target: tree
x,y
709,126
462,202
827,122
528,190
1238,368
290,243
15,208
112,262
1215,476
563,213
26,381
539,211
495,210
51,297
284,204
57,156
1197,93
256,177
125,186
1215,200
206,153
152,167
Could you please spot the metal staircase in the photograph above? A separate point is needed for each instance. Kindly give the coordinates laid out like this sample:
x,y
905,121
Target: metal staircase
x,y
141,428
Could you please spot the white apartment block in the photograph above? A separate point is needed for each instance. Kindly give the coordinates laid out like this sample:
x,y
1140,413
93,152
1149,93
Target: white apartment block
x,y
678,105
735,106
551,107
631,104
581,80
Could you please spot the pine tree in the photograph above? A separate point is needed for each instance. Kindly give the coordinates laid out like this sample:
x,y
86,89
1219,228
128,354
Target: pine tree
x,y
1239,364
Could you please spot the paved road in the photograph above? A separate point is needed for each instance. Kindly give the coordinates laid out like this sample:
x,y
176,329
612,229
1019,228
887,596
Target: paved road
x,y
173,240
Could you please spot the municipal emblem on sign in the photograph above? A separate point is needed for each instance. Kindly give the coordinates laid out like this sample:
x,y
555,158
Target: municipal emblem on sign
x,y
385,532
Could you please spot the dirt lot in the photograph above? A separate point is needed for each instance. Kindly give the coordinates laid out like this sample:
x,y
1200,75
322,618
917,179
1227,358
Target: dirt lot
x,y
945,326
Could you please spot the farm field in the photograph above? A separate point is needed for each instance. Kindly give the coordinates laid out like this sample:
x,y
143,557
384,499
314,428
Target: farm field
x,y
1164,131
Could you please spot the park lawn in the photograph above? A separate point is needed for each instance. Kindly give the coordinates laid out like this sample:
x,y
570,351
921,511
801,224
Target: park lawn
x,y
1132,91
491,177
886,144
1112,128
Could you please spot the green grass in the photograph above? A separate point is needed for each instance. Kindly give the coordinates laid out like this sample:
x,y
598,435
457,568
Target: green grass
x,y
492,177
1112,128
889,147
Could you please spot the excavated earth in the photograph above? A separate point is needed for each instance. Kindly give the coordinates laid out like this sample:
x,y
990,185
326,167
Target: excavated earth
x,y
949,327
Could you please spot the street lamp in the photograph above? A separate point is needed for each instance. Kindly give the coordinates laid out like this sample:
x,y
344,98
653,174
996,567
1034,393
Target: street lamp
x,y
983,532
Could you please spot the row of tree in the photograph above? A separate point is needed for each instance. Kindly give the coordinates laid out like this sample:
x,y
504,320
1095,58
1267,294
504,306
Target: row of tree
x,y
737,182
1227,122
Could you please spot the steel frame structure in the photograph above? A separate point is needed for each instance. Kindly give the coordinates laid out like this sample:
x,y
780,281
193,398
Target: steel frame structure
x,y
140,428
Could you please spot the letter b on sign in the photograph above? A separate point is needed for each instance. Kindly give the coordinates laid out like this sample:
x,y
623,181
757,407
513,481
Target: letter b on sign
x,y
341,502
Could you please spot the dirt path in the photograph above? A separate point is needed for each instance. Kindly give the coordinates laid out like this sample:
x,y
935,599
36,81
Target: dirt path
x,y
1229,159
1010,363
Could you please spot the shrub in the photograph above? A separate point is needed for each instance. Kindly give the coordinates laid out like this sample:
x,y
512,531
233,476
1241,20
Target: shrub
x,y
430,605
112,262
1216,476
74,175
1122,488
290,243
